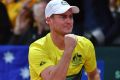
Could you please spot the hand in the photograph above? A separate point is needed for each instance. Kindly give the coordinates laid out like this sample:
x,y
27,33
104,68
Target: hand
x,y
22,25
70,41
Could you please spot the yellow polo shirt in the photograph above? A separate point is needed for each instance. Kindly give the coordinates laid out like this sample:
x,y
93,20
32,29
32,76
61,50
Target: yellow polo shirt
x,y
43,53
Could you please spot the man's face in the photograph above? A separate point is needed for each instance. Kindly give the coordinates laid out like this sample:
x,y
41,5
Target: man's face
x,y
62,23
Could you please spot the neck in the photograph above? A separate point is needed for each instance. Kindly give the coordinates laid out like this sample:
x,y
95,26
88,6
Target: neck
x,y
58,40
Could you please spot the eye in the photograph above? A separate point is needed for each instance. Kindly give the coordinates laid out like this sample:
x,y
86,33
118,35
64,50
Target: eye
x,y
63,16
71,16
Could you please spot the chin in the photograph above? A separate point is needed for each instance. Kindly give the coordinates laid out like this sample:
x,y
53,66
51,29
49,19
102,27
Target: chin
x,y
68,32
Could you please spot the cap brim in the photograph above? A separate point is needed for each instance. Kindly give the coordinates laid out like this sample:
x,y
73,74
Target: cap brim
x,y
75,9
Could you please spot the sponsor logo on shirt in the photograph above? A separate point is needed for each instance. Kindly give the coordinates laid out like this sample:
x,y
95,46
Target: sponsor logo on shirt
x,y
77,59
42,63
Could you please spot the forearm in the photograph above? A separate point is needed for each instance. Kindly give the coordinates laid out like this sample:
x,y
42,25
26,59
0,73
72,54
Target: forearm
x,y
94,75
61,69
97,77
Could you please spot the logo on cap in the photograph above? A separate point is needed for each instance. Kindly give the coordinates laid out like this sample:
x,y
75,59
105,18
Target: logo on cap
x,y
64,3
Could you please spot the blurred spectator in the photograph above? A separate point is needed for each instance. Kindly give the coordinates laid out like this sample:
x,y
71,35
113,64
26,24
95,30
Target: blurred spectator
x,y
39,16
25,32
5,25
24,23
113,36
14,7
106,32
98,20
114,6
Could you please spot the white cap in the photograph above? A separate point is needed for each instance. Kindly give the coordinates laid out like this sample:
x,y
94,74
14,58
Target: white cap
x,y
59,7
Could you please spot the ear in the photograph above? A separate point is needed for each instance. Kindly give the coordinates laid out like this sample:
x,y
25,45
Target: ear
x,y
48,20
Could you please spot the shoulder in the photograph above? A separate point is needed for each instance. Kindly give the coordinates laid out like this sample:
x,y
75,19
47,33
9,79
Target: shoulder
x,y
83,41
86,45
37,48
40,42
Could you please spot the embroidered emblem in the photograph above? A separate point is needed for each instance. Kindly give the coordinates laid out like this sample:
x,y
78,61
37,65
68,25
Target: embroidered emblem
x,y
64,3
77,59
42,63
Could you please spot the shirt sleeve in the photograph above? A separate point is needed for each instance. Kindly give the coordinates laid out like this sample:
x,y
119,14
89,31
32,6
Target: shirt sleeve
x,y
90,63
38,59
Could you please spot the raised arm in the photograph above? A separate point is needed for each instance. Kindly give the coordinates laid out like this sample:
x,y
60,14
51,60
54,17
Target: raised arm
x,y
59,71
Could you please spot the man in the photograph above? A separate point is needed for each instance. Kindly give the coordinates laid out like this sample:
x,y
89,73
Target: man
x,y
25,32
61,55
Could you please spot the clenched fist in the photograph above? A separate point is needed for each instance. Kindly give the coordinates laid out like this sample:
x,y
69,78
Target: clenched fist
x,y
70,42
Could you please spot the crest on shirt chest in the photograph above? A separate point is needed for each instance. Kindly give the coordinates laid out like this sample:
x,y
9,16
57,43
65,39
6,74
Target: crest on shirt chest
x,y
77,59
